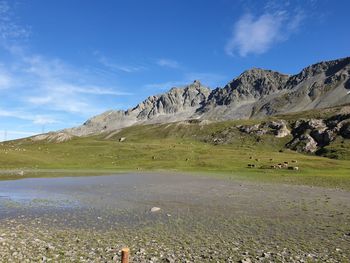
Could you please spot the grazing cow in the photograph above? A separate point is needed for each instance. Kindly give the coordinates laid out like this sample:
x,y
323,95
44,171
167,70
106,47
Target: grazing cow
x,y
296,168
294,161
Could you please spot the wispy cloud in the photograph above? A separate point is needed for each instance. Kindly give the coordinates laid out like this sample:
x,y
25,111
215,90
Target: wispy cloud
x,y
207,79
35,118
61,87
9,28
44,119
38,90
169,63
116,66
5,80
257,34
60,102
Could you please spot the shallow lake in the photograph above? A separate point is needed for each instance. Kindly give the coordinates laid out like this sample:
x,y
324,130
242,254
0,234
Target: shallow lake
x,y
207,208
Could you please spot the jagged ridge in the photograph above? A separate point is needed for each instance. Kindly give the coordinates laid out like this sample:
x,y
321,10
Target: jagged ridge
x,y
255,93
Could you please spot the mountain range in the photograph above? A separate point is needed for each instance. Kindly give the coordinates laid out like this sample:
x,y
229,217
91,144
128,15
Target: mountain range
x,y
256,93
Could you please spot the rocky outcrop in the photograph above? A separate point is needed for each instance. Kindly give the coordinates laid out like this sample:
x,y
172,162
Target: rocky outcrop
x,y
307,135
303,143
310,135
277,128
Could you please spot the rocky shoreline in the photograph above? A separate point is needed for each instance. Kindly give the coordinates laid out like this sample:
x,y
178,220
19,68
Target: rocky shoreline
x,y
175,218
36,241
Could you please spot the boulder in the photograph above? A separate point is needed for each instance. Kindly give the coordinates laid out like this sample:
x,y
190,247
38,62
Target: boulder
x,y
283,132
304,143
249,128
303,126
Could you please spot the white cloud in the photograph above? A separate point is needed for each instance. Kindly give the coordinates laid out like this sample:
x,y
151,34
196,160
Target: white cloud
x,y
42,119
34,118
9,28
256,35
5,81
207,79
168,63
116,66
69,88
61,87
61,102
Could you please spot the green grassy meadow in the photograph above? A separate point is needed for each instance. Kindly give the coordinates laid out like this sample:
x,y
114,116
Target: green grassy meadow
x,y
176,147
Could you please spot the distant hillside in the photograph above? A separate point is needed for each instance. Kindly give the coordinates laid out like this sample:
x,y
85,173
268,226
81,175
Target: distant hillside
x,y
256,93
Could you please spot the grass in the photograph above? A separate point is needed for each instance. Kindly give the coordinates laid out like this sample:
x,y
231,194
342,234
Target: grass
x,y
185,147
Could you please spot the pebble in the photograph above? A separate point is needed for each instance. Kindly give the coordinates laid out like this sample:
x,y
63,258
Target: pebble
x,y
155,209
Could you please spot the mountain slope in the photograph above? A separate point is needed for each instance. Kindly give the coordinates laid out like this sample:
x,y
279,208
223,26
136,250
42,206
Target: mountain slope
x,y
321,85
256,93
174,105
237,99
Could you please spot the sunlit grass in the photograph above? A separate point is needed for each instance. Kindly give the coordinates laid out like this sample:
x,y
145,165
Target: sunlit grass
x,y
177,147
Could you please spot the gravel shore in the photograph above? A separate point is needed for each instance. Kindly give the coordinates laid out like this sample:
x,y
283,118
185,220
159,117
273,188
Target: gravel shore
x,y
199,220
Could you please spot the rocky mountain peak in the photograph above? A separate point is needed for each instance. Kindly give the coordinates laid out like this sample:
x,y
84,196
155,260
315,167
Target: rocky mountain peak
x,y
173,101
333,70
251,85
253,94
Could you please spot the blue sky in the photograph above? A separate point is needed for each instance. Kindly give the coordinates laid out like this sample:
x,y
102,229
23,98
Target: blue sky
x,y
63,61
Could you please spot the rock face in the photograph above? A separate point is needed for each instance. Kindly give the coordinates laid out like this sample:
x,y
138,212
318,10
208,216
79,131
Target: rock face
x,y
238,98
303,143
176,105
307,135
278,128
310,135
321,85
256,93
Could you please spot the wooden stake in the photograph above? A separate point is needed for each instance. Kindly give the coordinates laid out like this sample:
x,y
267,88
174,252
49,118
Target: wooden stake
x,y
125,255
